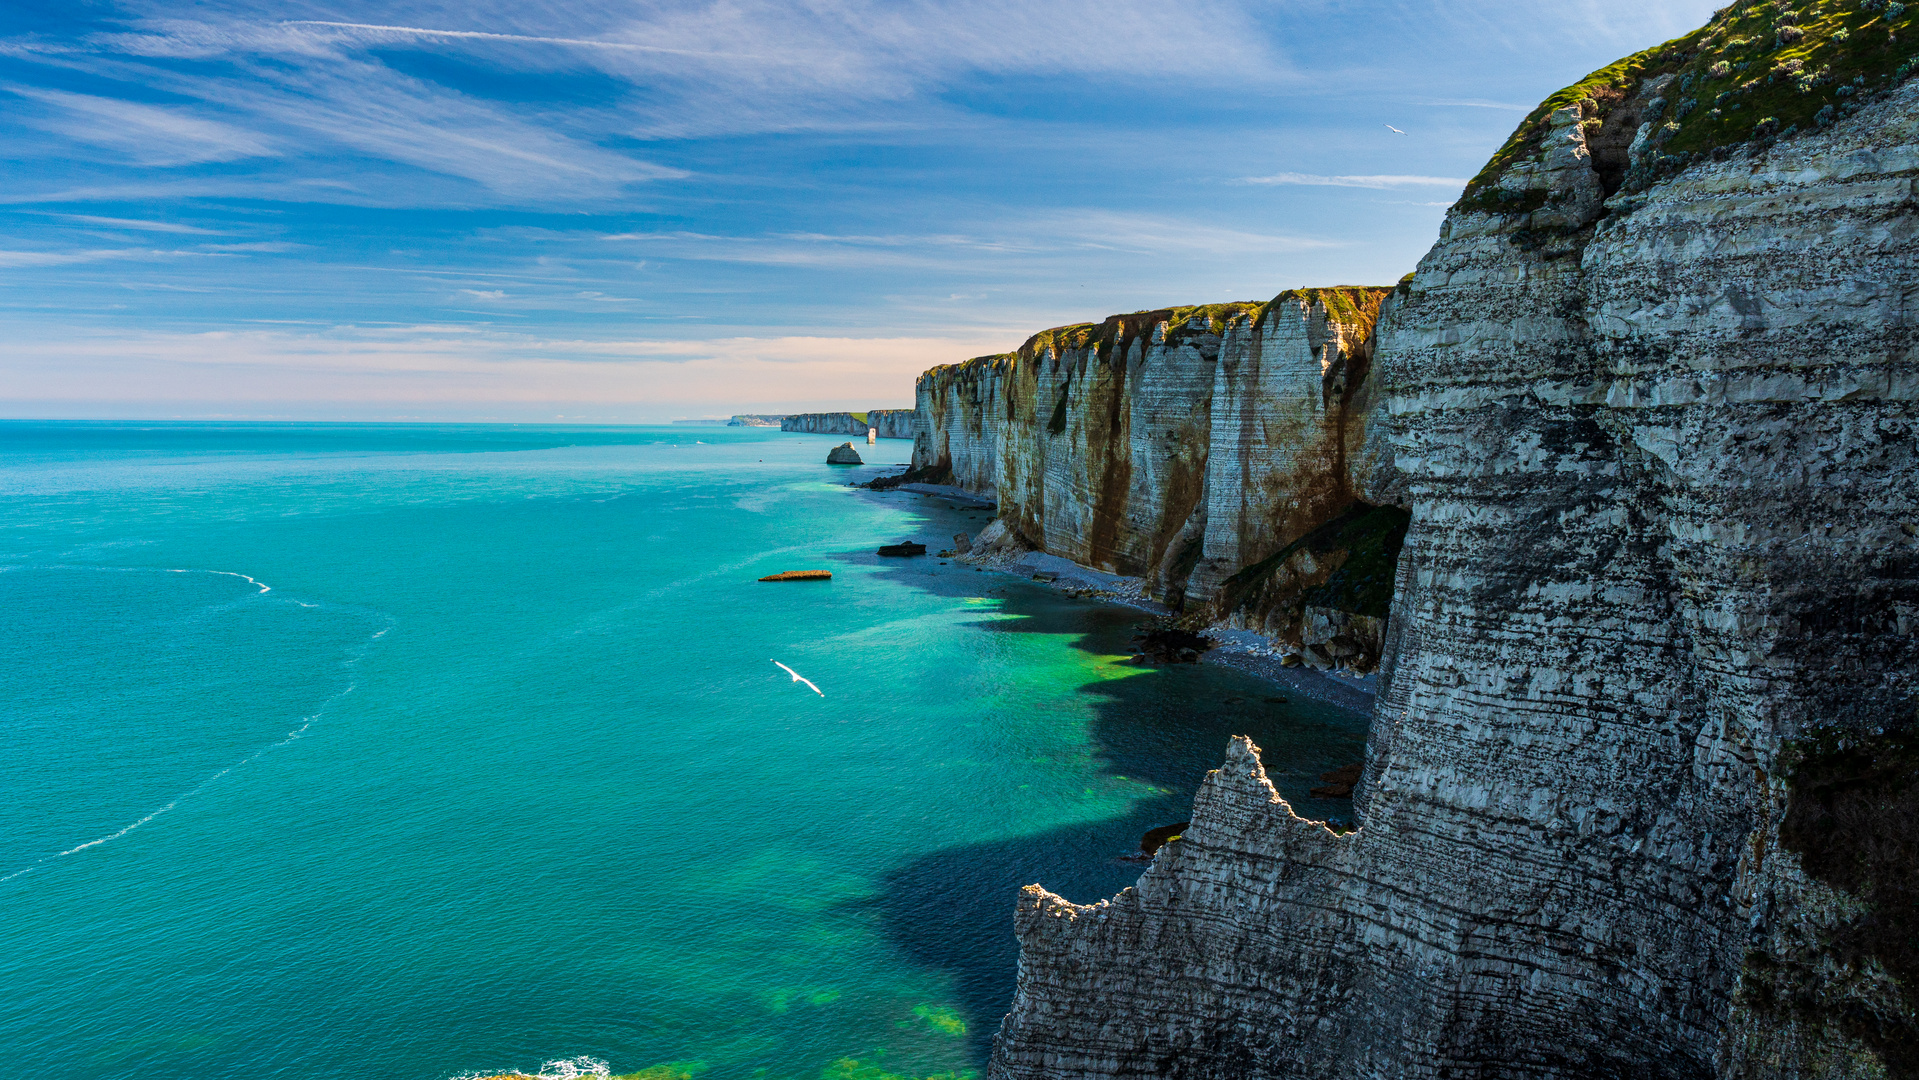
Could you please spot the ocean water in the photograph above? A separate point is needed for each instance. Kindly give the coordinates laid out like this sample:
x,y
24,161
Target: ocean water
x,y
421,751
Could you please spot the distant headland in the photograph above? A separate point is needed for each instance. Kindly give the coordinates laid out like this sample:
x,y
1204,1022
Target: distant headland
x,y
886,423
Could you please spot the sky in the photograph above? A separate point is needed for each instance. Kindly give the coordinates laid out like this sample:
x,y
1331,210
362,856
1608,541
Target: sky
x,y
628,211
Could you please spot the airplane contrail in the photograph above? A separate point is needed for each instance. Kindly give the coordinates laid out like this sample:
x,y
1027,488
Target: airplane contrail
x,y
797,677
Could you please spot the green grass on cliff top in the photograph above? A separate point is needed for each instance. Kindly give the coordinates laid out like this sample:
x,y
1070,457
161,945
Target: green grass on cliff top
x,y
1353,307
1758,70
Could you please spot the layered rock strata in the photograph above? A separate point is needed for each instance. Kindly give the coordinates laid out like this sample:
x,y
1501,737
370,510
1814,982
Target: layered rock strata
x,y
1177,445
1638,799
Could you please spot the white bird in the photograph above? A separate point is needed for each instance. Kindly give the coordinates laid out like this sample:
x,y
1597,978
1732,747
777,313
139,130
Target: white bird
x,y
1394,130
799,678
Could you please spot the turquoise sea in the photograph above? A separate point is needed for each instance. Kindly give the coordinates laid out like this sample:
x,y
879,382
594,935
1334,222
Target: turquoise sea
x,y
410,751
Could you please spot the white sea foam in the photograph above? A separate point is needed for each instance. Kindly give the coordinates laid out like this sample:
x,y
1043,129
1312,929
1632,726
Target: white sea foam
x,y
575,1068
264,587
177,800
306,722
248,578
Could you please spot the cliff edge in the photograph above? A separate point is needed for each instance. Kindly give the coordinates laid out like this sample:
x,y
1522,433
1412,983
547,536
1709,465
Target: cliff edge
x,y
1193,447
1640,788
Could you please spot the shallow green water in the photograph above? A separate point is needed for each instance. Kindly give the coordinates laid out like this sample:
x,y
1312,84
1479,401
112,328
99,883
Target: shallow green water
x,y
484,761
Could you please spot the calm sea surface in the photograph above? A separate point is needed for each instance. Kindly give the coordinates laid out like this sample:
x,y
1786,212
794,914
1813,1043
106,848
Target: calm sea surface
x,y
412,751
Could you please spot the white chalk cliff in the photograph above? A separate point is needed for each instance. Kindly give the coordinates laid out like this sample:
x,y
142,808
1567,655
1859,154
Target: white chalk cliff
x,y
1183,446
1641,786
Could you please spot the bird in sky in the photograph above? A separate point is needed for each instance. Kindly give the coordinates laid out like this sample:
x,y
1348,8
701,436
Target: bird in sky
x,y
798,678
1394,130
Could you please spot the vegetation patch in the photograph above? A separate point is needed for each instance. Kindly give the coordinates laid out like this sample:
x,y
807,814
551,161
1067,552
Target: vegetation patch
x,y
1354,307
942,1018
854,1069
1123,330
1760,71
1853,820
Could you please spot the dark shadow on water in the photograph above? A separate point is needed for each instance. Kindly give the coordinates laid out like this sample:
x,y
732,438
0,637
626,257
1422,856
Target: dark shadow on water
x,y
953,909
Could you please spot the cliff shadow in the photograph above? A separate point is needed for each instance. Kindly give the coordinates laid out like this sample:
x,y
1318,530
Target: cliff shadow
x,y
952,910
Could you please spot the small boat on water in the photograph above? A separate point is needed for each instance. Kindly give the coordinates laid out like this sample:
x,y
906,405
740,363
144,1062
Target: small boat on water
x,y
800,575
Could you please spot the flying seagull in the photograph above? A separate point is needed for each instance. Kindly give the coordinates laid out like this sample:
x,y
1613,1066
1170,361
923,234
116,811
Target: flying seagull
x,y
797,678
1394,130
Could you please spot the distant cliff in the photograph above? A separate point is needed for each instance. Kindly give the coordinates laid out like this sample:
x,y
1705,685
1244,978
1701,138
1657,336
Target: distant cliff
x,y
1641,795
1196,447
889,423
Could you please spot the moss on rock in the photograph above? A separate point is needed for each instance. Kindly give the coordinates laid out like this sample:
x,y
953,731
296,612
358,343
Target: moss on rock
x,y
1761,70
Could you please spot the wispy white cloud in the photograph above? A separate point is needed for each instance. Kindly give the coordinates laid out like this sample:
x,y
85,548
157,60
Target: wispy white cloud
x,y
1064,233
13,259
1388,181
284,88
1503,106
149,134
137,224
73,256
481,35
264,247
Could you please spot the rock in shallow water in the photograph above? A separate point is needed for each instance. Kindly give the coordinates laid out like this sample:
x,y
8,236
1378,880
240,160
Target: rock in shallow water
x,y
844,454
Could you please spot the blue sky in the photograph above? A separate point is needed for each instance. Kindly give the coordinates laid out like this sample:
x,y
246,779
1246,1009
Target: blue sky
x,y
631,211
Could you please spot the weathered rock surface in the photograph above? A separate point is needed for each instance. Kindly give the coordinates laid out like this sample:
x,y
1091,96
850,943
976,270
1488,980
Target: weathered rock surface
x,y
1657,599
843,454
1178,445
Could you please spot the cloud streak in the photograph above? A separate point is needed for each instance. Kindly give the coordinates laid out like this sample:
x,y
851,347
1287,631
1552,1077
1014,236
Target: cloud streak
x,y
148,134
137,224
1387,181
480,35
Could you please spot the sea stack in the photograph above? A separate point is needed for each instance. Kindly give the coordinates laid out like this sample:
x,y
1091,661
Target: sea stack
x,y
844,454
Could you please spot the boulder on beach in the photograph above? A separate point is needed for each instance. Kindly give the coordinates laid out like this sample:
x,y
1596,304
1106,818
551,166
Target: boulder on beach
x,y
844,454
1164,641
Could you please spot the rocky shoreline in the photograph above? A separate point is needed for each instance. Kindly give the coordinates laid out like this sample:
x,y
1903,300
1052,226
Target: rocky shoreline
x,y
1243,650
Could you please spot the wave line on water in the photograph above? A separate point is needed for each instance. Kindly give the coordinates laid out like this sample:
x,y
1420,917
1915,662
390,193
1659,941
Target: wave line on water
x,y
305,723
264,587
248,578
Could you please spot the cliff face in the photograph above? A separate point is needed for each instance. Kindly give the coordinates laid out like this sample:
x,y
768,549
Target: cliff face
x,y
1178,445
889,423
1640,789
